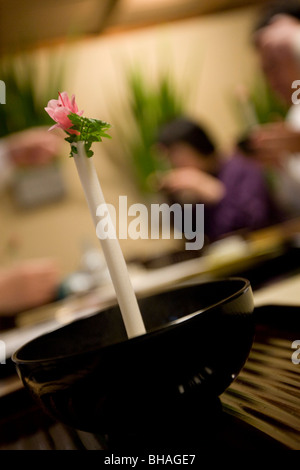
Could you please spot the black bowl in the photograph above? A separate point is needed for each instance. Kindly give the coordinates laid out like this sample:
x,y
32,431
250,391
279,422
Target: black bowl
x,y
88,375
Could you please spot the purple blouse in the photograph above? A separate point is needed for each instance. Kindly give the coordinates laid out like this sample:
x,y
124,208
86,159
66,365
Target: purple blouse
x,y
247,203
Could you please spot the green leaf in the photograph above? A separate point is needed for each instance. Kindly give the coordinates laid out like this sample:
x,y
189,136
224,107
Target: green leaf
x,y
89,130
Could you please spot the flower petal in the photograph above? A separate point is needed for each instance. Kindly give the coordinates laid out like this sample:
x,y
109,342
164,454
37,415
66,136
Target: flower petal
x,y
53,104
59,110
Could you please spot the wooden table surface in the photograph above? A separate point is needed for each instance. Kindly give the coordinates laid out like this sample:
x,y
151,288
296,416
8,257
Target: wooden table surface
x,y
265,395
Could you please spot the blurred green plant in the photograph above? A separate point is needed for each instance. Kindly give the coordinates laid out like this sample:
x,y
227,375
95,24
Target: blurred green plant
x,y
267,105
258,104
151,104
27,91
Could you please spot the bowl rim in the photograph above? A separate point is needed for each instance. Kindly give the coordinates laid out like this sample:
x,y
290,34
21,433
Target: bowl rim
x,y
153,331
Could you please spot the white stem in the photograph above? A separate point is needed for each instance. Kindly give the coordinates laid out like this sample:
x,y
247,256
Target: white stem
x,y
111,248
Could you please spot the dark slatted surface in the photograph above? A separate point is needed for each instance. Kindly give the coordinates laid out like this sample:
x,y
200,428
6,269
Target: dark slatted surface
x,y
266,394
55,437
24,426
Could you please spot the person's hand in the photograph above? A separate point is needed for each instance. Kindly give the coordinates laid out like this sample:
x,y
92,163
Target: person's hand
x,y
271,143
27,285
277,40
34,146
192,185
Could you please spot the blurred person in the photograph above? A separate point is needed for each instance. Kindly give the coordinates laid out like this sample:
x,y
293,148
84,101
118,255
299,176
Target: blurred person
x,y
27,285
31,283
277,145
232,188
34,146
276,37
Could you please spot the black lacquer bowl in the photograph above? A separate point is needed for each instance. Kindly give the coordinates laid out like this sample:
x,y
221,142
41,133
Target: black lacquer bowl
x,y
88,375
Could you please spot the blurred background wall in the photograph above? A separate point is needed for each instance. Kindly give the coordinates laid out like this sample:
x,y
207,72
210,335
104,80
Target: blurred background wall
x,y
207,56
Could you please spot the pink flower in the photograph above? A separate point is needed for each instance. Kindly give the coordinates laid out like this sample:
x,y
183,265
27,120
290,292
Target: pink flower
x,y
59,110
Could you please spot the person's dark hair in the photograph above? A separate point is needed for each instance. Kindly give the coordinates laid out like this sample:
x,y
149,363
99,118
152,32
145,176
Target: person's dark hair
x,y
279,7
185,130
